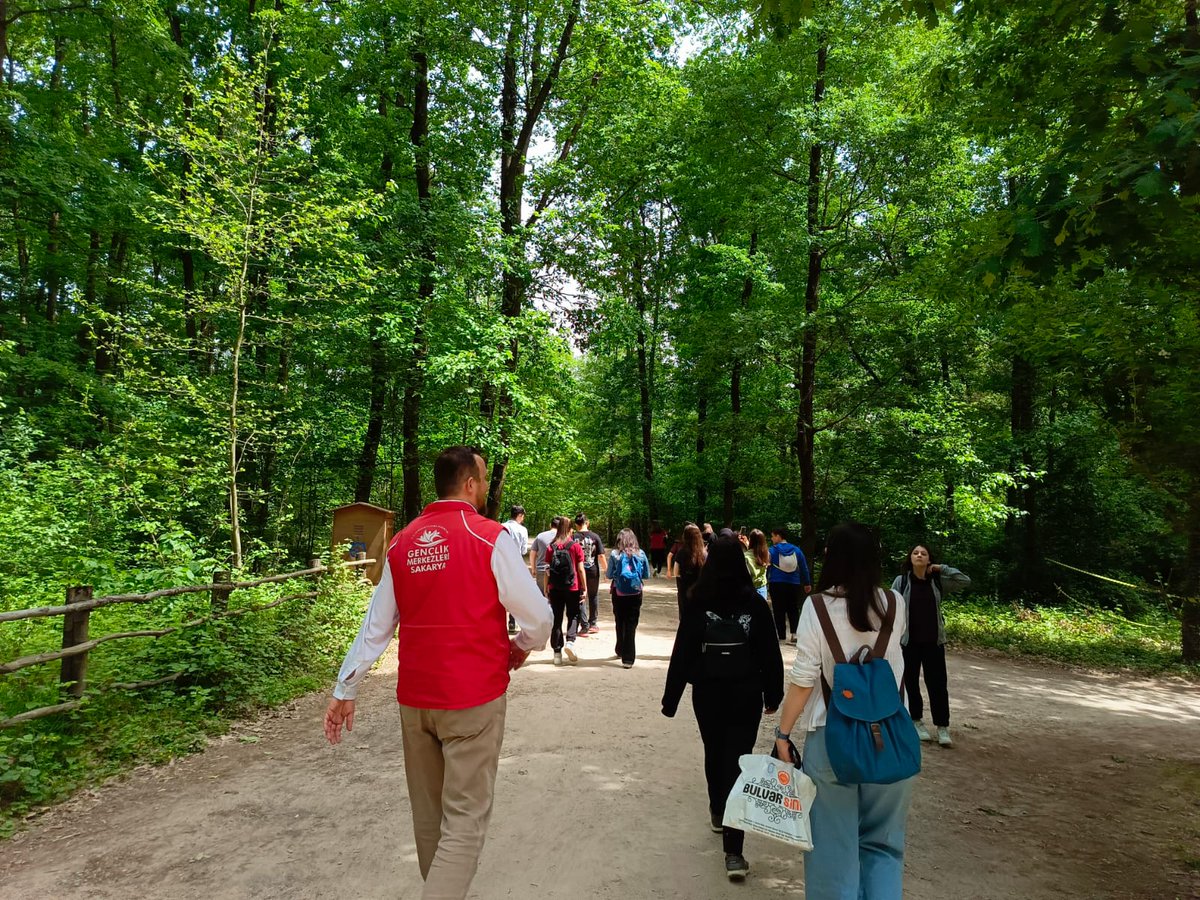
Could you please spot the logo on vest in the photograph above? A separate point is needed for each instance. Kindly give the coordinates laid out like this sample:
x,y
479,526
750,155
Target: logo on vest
x,y
429,552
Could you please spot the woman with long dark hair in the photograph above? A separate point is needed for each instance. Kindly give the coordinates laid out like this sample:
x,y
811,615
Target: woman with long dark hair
x,y
687,563
726,649
923,583
857,829
627,569
565,578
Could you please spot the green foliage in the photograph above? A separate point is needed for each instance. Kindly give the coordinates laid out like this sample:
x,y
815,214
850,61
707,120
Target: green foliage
x,y
229,667
1078,634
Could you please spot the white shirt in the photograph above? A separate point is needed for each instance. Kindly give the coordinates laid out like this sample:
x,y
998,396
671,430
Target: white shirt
x,y
519,594
520,534
814,656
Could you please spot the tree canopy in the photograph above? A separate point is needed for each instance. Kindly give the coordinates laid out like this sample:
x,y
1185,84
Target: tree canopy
x,y
932,266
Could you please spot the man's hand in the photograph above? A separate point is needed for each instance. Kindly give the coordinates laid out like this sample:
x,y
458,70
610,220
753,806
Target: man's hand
x,y
516,656
336,713
808,589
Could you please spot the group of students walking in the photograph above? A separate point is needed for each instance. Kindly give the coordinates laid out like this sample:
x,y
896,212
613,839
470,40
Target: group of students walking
x,y
569,562
858,830
452,574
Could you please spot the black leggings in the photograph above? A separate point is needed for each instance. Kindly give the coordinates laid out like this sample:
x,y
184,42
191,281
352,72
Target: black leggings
x,y
728,715
563,602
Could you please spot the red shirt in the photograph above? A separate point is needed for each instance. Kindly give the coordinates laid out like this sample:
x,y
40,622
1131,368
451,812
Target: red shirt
x,y
658,540
576,560
453,632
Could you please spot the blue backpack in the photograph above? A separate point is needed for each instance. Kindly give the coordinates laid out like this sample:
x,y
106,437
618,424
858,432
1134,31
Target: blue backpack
x,y
629,575
869,736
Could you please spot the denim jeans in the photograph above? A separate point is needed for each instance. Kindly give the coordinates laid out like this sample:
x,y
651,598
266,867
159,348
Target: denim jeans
x,y
857,833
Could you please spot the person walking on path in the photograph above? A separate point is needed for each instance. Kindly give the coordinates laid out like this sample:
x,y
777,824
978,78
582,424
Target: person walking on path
x,y
923,583
787,575
758,559
687,563
448,578
537,553
731,688
658,548
593,567
564,582
857,829
627,569
520,534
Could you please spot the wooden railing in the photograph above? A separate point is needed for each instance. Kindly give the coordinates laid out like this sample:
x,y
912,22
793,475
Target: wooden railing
x,y
76,613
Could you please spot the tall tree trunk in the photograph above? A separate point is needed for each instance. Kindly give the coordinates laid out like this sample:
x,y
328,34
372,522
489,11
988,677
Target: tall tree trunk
x,y
498,402
377,379
414,383
1021,526
645,410
107,334
735,402
805,421
951,485
85,337
187,261
1189,584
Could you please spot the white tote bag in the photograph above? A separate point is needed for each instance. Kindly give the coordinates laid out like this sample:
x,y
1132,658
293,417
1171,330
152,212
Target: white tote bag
x,y
771,798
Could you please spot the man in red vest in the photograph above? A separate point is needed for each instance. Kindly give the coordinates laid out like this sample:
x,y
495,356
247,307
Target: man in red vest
x,y
450,576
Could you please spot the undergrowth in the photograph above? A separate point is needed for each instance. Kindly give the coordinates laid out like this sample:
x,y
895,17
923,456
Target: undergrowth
x,y
1077,634
230,668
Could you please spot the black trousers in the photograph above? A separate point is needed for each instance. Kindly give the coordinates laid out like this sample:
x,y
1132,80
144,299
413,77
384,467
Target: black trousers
x,y
930,656
785,606
658,559
728,715
682,586
593,594
627,611
563,602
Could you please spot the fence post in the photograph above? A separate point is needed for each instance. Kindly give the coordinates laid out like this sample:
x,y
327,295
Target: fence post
x,y
75,631
220,594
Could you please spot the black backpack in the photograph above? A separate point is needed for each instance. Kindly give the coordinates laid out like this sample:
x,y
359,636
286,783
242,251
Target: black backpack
x,y
560,568
726,647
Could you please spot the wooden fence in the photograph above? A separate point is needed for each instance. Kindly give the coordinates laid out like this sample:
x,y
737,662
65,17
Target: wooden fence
x,y
76,613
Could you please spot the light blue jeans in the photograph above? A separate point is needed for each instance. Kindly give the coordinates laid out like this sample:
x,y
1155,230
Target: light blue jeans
x,y
857,833
762,591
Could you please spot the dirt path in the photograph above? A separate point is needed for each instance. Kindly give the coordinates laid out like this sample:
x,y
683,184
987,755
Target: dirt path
x,y
1062,785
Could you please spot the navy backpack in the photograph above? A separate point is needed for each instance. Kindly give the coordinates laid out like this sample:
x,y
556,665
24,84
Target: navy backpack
x,y
869,736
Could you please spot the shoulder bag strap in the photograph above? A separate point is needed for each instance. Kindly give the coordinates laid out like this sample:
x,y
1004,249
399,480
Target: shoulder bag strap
x,y
831,638
885,629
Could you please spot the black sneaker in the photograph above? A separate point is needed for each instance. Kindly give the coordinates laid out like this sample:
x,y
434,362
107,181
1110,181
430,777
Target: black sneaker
x,y
736,866
714,821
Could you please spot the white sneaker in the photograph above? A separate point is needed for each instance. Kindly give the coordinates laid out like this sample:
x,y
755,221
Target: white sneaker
x,y
922,731
558,659
569,649
944,737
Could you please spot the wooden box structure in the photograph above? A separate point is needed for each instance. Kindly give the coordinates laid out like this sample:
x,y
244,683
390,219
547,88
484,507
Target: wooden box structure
x,y
368,529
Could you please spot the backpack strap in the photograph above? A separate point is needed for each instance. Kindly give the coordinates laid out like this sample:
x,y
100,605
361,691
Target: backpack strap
x,y
831,638
885,629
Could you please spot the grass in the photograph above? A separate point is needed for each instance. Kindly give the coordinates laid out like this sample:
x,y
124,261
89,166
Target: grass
x,y
1077,635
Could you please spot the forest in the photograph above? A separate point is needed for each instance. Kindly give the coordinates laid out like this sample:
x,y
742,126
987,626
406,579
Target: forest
x,y
929,265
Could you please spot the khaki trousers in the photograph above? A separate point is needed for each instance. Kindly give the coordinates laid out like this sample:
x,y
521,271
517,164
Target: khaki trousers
x,y
450,762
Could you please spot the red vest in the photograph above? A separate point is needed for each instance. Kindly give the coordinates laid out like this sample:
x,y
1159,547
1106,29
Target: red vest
x,y
453,633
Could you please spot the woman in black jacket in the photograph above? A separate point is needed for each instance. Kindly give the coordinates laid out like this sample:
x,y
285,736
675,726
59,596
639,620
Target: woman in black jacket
x,y
726,648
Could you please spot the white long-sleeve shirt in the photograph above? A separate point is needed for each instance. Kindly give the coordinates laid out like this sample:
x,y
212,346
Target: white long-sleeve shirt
x,y
519,594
